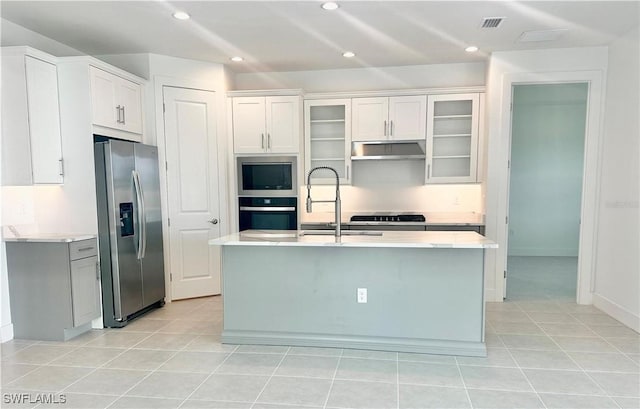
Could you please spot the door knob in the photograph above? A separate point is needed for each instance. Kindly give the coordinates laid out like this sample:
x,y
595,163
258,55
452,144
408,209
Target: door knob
x,y
213,221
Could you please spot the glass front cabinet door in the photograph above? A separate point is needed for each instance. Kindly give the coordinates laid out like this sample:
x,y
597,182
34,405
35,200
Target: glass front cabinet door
x,y
328,139
452,138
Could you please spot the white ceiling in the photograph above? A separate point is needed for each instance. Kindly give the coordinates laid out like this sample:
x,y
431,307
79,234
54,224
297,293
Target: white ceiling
x,y
299,35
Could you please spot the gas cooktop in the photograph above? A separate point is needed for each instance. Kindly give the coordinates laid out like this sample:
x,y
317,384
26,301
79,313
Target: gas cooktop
x,y
389,217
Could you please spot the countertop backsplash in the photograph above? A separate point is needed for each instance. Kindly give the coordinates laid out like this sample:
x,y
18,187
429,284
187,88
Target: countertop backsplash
x,y
458,198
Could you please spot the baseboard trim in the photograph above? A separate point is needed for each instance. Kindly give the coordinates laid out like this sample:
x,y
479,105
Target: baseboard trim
x,y
543,252
490,295
617,311
6,333
424,346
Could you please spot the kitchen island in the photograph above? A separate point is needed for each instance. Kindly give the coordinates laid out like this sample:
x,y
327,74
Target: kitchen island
x,y
424,290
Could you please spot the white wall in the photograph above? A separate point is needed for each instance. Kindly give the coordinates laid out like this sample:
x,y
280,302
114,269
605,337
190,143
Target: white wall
x,y
14,34
456,201
368,79
534,66
617,281
136,64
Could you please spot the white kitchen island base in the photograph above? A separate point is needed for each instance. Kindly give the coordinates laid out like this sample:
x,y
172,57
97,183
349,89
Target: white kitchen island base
x,y
425,298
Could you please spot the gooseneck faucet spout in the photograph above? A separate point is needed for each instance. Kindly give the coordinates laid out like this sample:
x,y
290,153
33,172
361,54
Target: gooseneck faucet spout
x,y
337,202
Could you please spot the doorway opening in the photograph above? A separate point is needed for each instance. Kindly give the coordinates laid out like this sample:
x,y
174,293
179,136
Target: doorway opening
x,y
548,126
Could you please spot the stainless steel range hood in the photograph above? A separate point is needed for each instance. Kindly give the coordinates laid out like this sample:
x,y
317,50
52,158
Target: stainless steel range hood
x,y
380,150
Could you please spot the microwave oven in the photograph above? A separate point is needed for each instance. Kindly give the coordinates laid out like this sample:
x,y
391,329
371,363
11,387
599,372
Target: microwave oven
x,y
267,176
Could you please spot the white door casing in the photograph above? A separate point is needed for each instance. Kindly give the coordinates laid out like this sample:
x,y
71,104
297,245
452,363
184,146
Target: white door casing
x,y
192,190
590,180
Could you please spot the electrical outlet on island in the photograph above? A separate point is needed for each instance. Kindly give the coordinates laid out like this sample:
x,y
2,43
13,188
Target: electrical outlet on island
x,y
362,295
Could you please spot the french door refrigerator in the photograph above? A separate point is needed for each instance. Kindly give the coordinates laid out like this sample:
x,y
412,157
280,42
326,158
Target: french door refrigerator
x,y
130,229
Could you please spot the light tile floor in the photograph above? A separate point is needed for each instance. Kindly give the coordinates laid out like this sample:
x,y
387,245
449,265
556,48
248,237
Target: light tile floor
x,y
537,278
542,354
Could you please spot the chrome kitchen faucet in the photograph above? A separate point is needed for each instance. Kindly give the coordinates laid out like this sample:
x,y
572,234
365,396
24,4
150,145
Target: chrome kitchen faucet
x,y
336,201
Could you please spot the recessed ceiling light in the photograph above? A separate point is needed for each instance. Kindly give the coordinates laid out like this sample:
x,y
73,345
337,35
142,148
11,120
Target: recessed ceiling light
x,y
348,54
330,5
471,49
181,15
237,59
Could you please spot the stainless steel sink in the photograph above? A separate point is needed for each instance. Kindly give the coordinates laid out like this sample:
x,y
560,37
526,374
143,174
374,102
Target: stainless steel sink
x,y
344,233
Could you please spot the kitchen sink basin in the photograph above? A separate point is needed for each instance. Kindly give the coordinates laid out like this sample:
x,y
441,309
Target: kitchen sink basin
x,y
344,233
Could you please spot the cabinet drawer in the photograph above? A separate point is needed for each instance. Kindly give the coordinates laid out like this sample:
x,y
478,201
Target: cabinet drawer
x,y
83,248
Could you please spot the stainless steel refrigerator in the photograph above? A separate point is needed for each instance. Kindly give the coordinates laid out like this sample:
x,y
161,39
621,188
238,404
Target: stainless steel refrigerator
x,y
130,229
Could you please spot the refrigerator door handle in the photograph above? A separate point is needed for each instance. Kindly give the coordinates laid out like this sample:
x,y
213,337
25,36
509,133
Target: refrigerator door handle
x,y
142,224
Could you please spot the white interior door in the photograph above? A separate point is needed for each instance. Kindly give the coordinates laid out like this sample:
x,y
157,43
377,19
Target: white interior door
x,y
192,188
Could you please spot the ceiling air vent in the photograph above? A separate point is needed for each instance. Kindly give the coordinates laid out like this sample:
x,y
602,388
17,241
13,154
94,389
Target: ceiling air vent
x,y
491,22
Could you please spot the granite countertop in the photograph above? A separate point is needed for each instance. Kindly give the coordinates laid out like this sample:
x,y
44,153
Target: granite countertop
x,y
399,239
432,219
51,238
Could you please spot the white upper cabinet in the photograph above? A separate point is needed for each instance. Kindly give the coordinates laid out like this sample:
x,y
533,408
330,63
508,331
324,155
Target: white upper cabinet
x,y
389,118
453,126
116,104
327,129
266,124
31,138
369,119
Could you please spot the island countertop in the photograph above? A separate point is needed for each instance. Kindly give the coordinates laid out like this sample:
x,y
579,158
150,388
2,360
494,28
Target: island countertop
x,y
389,239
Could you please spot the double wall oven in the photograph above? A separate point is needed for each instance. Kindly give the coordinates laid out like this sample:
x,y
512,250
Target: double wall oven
x,y
267,193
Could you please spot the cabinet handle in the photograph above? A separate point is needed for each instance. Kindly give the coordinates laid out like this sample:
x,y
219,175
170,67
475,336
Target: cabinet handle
x,y
86,248
118,113
391,128
347,172
268,141
385,128
61,162
97,271
262,144
124,120
429,171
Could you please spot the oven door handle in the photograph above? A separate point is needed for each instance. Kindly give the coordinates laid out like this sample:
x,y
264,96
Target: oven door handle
x,y
267,209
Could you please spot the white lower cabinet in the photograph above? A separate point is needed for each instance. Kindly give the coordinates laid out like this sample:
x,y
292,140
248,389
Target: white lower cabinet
x,y
85,291
327,127
453,126
56,294
31,137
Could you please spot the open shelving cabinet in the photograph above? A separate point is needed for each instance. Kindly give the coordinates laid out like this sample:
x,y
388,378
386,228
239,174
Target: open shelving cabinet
x,y
452,138
328,139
